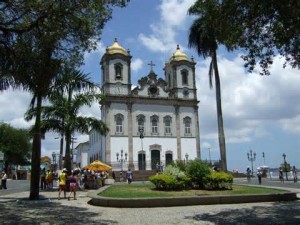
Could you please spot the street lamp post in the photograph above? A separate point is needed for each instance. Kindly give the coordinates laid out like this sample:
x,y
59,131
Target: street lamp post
x,y
285,168
53,160
251,157
72,150
61,149
187,157
209,156
141,130
121,161
263,155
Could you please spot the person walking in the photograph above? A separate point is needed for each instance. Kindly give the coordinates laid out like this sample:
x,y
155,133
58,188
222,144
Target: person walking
x,y
248,172
259,174
281,175
73,179
3,180
62,183
295,174
113,175
49,179
43,179
129,176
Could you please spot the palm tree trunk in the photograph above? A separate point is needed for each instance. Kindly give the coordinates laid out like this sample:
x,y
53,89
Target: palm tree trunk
x,y
36,154
61,150
222,143
67,163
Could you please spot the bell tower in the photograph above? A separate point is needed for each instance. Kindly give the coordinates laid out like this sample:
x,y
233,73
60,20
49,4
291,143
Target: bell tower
x,y
115,66
180,75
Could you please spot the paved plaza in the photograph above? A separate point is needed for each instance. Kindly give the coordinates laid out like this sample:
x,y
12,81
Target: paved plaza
x,y
16,209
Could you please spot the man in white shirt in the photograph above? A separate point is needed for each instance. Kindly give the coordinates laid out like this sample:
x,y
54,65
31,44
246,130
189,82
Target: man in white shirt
x,y
3,180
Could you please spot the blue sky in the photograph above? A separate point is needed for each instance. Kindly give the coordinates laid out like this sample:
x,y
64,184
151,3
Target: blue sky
x,y
260,113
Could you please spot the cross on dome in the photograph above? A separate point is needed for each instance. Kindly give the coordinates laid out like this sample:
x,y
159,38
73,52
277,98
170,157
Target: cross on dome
x,y
151,64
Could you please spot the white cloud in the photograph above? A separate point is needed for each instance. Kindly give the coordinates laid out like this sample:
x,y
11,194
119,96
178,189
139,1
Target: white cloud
x,y
173,17
250,102
93,111
14,103
136,64
100,50
174,12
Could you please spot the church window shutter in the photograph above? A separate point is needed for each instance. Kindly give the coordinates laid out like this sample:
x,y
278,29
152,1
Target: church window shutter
x,y
167,122
154,123
187,126
119,118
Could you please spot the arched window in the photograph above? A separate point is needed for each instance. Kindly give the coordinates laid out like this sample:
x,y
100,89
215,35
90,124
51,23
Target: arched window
x,y
154,123
167,122
141,123
187,125
119,118
118,71
184,76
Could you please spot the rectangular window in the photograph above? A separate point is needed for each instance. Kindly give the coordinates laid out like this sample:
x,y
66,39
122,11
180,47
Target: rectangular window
x,y
187,130
119,128
168,126
119,125
154,129
154,123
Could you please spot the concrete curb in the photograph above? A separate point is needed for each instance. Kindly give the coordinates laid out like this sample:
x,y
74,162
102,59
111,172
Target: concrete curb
x,y
97,200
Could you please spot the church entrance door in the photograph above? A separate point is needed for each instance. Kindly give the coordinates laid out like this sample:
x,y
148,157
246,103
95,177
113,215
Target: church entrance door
x,y
142,161
155,159
169,158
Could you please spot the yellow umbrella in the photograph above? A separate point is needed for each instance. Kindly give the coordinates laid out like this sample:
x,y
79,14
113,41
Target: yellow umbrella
x,y
97,166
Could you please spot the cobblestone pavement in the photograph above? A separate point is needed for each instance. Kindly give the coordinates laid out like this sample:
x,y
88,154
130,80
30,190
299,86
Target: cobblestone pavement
x,y
17,209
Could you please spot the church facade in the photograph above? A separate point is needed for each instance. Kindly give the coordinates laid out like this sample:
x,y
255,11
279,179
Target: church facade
x,y
153,123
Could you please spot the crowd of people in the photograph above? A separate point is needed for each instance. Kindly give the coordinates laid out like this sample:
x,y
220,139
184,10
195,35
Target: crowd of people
x,y
74,180
260,174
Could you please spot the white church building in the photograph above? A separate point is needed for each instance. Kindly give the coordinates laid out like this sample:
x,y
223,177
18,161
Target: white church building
x,y
152,124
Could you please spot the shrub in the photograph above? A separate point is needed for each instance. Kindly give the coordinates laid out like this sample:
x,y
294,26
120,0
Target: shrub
x,y
218,180
198,171
175,172
179,164
171,179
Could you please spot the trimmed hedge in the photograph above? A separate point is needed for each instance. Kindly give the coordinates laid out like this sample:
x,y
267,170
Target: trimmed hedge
x,y
218,180
167,182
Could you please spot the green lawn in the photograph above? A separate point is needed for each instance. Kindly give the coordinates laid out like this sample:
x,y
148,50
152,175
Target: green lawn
x,y
147,190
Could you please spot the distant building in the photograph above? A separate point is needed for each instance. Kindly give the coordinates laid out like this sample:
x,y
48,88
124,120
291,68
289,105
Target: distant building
x,y
81,154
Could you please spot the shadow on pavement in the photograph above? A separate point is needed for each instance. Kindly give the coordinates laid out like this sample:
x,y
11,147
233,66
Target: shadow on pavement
x,y
46,212
279,213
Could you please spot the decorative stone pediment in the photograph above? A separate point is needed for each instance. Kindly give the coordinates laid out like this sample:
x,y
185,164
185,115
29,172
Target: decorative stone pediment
x,y
155,147
151,86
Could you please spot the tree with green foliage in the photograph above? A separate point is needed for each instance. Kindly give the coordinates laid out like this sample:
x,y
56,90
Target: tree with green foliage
x,y
15,144
261,29
36,38
203,37
74,90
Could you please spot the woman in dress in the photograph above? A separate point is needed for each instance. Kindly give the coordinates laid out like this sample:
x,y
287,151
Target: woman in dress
x,y
73,179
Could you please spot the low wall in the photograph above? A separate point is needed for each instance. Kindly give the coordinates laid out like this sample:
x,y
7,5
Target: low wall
x,y
185,201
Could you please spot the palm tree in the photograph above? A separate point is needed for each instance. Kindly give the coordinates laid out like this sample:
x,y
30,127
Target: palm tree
x,y
74,90
202,37
34,74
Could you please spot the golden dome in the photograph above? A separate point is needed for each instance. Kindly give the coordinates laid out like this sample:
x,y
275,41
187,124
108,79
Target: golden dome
x,y
116,48
179,55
